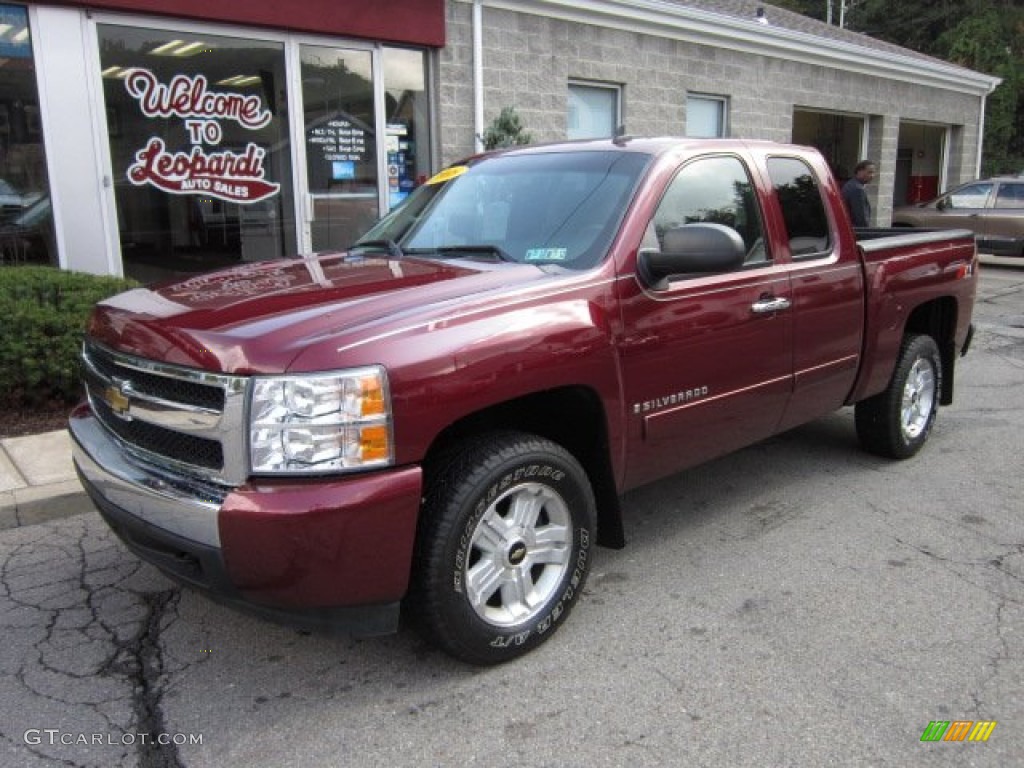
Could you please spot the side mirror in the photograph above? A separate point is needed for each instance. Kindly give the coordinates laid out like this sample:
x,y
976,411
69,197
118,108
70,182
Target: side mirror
x,y
692,248
942,204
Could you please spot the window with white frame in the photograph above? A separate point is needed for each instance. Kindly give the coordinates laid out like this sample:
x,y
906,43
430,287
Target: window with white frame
x,y
593,111
706,116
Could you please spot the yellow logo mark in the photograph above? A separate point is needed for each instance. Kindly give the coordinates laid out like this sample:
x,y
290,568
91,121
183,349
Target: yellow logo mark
x,y
982,730
117,400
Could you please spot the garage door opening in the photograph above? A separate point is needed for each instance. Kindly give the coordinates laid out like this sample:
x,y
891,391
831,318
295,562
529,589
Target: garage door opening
x,y
840,138
920,163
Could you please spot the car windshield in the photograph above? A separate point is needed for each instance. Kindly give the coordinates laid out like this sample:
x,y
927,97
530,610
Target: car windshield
x,y
548,208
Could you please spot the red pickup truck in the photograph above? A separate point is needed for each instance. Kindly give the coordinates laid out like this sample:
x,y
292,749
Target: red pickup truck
x,y
442,419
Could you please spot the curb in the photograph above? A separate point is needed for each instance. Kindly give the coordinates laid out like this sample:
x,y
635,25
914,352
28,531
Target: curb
x,y
29,506
38,481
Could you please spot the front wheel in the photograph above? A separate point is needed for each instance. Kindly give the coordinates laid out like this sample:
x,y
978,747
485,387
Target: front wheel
x,y
896,423
504,547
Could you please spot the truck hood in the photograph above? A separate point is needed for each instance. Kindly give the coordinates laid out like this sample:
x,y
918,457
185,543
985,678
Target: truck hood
x,y
257,318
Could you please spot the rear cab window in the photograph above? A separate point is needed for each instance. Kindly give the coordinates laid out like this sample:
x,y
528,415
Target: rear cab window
x,y
803,207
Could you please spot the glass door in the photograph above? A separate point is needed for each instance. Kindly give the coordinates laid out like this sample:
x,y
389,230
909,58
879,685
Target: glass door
x,y
339,120
198,131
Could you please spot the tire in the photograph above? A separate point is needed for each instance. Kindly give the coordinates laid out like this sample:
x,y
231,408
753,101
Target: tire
x,y
503,549
896,423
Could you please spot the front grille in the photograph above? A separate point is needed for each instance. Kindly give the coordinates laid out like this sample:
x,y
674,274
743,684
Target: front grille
x,y
184,449
177,418
165,387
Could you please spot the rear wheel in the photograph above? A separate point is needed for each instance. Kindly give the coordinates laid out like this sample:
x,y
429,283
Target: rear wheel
x,y
504,547
897,422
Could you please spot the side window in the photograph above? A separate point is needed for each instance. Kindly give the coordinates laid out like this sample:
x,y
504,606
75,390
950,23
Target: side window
x,y
973,196
713,190
1010,195
803,209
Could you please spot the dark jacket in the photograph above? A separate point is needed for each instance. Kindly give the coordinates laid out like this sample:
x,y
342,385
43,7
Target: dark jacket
x,y
856,199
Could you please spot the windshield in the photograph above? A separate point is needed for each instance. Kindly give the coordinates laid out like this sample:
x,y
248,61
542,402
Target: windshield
x,y
552,208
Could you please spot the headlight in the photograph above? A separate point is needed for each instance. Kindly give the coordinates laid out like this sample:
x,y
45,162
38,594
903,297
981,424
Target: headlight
x,y
320,422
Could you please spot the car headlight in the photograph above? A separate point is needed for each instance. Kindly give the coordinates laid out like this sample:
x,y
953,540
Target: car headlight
x,y
324,422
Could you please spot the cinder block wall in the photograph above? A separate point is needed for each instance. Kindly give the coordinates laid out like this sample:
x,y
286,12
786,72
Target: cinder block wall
x,y
528,61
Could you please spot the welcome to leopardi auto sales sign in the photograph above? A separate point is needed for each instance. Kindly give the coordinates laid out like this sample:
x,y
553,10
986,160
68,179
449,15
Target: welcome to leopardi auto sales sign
x,y
236,177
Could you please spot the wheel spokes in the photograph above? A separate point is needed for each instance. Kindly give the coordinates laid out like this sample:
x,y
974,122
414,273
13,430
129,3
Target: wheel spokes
x,y
519,553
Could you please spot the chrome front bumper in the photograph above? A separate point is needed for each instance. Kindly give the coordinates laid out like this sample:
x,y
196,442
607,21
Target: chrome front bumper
x,y
173,503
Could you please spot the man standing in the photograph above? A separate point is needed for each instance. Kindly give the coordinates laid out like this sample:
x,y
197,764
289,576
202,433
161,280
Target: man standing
x,y
856,197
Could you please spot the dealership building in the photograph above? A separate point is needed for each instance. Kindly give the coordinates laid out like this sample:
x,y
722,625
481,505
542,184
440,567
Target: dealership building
x,y
156,138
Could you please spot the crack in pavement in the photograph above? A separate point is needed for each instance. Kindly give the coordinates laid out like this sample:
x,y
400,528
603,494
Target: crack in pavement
x,y
82,623
140,660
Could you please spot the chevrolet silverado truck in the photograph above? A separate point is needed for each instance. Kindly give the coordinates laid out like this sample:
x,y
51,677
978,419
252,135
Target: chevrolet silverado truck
x,y
439,422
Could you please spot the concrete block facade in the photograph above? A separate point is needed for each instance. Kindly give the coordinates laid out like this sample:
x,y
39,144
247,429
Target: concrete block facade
x,y
529,59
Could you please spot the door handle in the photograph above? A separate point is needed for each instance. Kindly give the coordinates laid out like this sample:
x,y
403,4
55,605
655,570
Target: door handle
x,y
770,304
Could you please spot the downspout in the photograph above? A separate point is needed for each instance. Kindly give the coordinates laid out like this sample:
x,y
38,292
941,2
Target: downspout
x,y
981,127
478,77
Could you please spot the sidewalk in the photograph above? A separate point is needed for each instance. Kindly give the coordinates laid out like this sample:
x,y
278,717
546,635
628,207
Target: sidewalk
x,y
38,481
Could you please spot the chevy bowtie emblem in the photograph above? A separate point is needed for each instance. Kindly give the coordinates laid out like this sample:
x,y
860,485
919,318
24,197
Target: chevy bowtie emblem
x,y
116,396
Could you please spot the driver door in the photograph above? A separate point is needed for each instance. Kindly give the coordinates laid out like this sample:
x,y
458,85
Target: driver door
x,y
707,361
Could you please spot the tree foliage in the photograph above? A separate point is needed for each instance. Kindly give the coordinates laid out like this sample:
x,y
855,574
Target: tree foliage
x,y
983,35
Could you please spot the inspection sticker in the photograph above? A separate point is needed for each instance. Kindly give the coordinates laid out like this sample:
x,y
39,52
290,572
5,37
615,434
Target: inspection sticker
x,y
547,254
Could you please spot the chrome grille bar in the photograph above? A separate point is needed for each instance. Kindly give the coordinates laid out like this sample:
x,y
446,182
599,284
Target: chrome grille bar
x,y
172,416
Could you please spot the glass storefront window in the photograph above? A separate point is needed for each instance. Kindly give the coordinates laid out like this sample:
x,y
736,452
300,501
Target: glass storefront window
x,y
26,216
341,146
200,149
407,112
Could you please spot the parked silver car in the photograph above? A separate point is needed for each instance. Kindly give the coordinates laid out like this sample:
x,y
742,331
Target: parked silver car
x,y
991,208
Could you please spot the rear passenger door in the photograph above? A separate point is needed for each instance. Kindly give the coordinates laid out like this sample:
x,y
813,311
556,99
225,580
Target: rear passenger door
x,y
706,359
826,280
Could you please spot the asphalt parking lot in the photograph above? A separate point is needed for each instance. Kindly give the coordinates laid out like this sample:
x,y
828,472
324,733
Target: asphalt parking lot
x,y
799,603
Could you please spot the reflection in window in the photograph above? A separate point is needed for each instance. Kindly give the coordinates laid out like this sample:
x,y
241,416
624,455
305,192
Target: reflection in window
x,y
26,219
407,117
341,144
714,190
550,208
803,210
202,181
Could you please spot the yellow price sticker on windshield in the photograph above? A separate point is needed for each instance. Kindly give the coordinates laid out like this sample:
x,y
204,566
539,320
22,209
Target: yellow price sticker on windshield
x,y
448,174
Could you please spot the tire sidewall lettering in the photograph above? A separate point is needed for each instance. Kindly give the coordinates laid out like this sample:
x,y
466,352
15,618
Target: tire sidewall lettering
x,y
532,472
480,481
559,608
495,489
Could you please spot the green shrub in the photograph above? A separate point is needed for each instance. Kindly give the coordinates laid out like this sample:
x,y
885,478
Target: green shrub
x,y
506,130
43,312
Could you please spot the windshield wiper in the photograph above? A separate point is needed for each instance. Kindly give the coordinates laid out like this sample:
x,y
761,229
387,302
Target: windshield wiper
x,y
485,248
392,247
